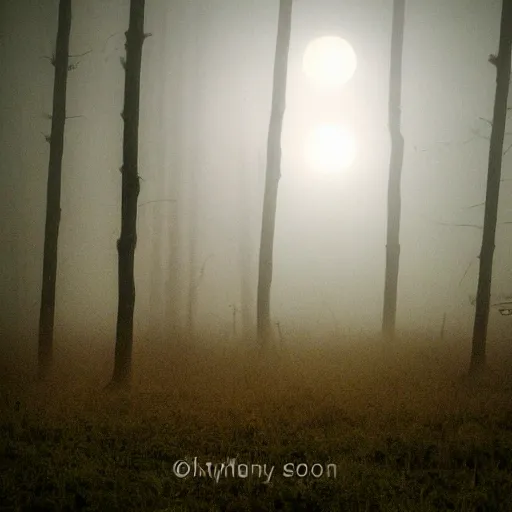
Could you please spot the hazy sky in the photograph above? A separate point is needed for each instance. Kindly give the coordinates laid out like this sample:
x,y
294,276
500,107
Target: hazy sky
x,y
330,233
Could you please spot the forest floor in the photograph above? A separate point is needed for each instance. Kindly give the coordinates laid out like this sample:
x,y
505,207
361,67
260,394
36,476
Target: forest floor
x,y
350,428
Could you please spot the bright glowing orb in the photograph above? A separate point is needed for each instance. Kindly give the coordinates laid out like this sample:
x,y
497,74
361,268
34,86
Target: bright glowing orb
x,y
330,148
329,61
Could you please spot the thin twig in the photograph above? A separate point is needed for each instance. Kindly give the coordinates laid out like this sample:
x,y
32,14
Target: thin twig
x,y
80,54
201,272
467,270
158,201
473,206
486,120
461,225
108,38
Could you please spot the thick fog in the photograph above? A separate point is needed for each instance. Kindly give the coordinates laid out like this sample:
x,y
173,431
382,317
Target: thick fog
x,y
205,107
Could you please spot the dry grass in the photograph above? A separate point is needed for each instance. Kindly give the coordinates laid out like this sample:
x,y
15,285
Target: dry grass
x,y
403,428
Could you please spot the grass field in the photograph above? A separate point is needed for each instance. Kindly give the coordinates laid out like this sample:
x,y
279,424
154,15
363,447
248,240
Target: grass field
x,y
397,430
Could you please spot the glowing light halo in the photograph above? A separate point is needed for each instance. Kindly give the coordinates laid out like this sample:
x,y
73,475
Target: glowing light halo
x,y
330,147
329,61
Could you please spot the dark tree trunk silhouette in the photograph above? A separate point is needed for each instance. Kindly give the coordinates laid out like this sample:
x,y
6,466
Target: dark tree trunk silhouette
x,y
483,296
130,192
395,172
273,172
53,191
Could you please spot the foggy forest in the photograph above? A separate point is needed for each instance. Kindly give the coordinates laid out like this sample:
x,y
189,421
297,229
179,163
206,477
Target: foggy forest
x,y
255,255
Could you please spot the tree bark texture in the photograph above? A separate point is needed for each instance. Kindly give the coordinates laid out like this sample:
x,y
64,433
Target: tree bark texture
x,y
130,192
53,191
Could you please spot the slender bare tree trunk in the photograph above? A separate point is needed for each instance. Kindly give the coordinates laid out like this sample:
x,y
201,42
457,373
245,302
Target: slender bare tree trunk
x,y
483,296
174,168
130,192
244,246
53,191
395,172
273,173
192,264
158,270
192,127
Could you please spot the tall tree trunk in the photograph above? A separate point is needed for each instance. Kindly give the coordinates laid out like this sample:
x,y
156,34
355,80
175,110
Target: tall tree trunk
x,y
53,191
130,192
174,107
192,264
395,172
244,245
157,270
483,296
191,131
273,173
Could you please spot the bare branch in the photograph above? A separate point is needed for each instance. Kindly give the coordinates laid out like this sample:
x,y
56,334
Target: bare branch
x,y
467,270
158,201
474,206
475,226
107,40
51,59
449,143
476,133
486,121
80,54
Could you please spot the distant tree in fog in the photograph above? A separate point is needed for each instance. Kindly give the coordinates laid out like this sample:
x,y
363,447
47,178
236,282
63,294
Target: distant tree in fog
x,y
244,245
167,246
395,172
60,60
172,232
162,221
130,191
273,172
191,127
160,209
483,295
